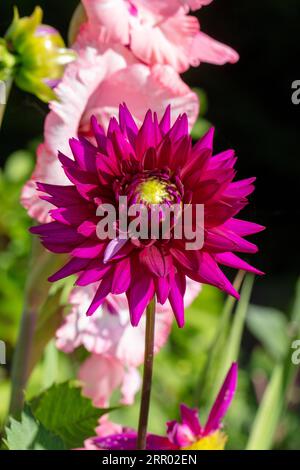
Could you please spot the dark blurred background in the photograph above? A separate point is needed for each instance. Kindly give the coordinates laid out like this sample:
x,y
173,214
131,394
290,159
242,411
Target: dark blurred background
x,y
250,105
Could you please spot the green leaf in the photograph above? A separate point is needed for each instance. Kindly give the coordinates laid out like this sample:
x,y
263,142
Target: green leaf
x,y
232,346
215,355
64,411
29,434
268,414
269,326
275,398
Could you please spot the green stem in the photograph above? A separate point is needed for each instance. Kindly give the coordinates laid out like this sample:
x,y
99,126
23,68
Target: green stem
x,y
36,292
8,85
147,375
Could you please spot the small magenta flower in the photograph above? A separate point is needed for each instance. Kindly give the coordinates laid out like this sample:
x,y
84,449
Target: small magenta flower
x,y
155,164
34,55
188,434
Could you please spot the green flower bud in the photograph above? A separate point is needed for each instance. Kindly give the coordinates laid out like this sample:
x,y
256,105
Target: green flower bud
x,y
34,54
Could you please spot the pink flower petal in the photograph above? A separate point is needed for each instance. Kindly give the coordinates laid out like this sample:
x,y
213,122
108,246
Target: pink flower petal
x,y
223,401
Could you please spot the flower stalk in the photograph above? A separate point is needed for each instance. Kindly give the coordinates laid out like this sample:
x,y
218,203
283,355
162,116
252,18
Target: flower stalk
x,y
147,375
37,290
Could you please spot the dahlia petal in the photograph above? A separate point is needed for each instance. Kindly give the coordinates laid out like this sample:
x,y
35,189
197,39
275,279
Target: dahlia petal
x,y
87,228
165,123
164,152
181,152
179,129
72,215
233,261
122,148
176,296
121,277
206,191
72,267
223,401
224,159
162,289
221,240
128,441
145,137
206,49
240,189
60,195
113,247
150,159
189,260
157,262
210,273
89,249
200,154
94,272
190,417
139,294
243,227
180,434
57,233
124,441
206,142
154,442
218,211
102,292
84,154
127,123
99,133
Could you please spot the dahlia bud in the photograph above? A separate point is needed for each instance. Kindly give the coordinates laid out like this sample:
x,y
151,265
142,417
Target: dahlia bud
x,y
35,55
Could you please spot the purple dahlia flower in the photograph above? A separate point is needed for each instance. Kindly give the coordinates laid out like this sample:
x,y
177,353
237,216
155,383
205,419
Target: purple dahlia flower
x,y
156,165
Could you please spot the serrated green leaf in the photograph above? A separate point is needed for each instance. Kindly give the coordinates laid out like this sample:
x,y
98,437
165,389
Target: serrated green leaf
x,y
67,413
29,434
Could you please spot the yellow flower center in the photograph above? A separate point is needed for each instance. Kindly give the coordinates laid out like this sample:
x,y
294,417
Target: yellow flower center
x,y
215,441
153,191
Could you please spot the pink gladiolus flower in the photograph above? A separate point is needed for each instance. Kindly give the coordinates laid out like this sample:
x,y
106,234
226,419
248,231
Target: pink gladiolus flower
x,y
157,31
94,84
116,348
188,434
155,164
